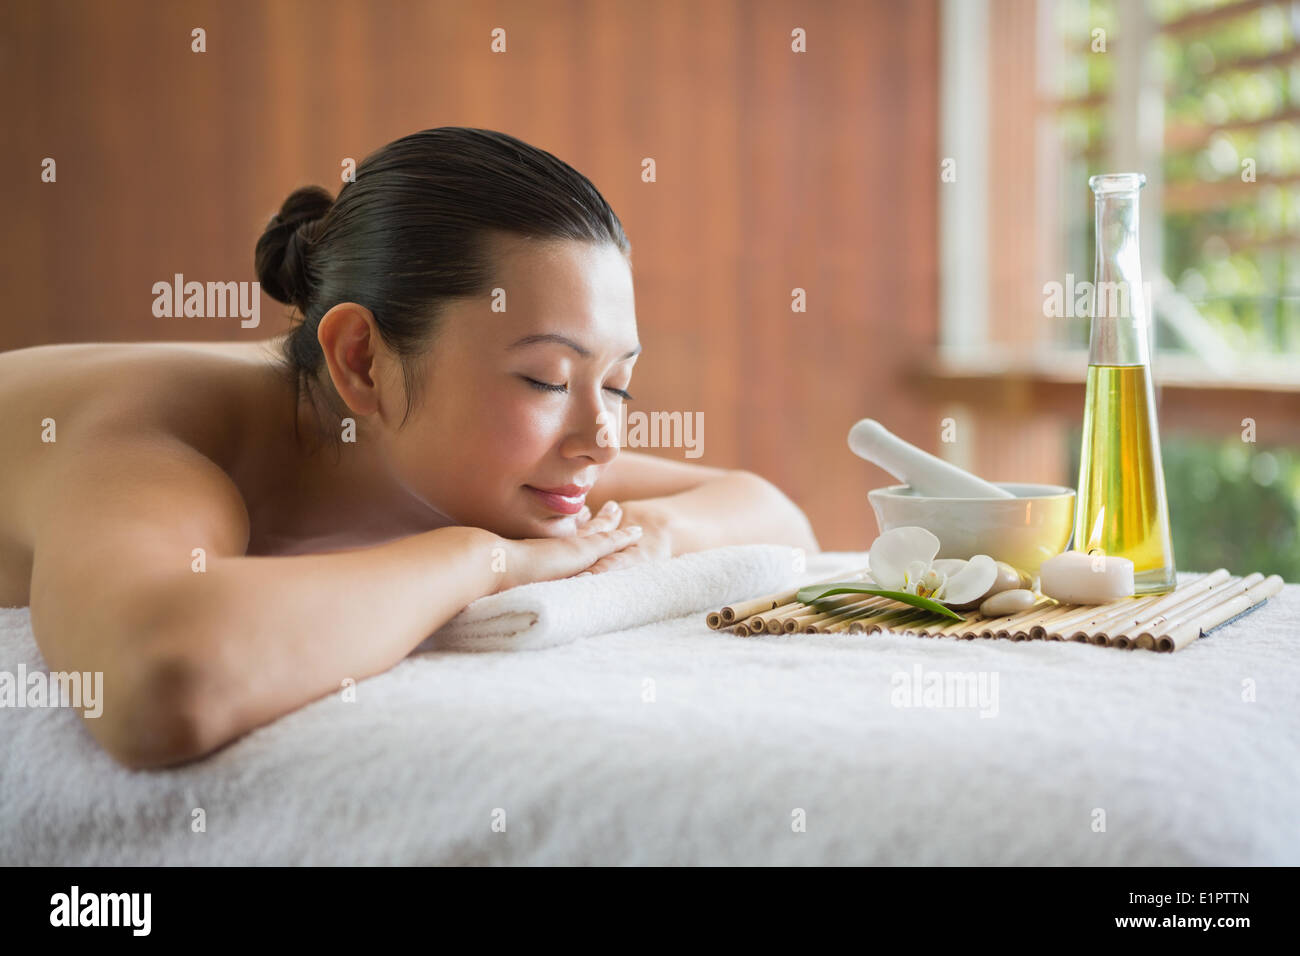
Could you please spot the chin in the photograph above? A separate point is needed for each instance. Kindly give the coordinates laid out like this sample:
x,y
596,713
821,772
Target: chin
x,y
560,526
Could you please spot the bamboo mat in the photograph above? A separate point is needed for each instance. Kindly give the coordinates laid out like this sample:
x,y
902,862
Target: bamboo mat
x,y
1162,622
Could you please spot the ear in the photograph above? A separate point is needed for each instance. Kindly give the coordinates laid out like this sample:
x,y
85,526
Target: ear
x,y
356,356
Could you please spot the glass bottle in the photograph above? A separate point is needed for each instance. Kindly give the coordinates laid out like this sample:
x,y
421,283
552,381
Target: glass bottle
x,y
1121,507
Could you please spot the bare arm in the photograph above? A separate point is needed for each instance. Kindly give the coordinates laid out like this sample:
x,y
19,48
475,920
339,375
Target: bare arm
x,y
693,507
278,632
738,508
193,659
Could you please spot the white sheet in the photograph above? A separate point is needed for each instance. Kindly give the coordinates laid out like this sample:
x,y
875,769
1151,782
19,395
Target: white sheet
x,y
671,743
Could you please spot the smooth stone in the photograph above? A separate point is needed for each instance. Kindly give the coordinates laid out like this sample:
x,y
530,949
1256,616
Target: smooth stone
x,y
1008,577
1008,602
1078,578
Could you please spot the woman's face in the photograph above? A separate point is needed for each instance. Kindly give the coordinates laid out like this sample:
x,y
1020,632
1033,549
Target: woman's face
x,y
483,435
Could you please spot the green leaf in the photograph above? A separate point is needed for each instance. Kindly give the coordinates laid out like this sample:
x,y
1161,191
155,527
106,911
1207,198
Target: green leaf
x,y
815,592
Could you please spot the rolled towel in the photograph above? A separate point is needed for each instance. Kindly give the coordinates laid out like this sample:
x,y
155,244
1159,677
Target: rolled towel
x,y
547,613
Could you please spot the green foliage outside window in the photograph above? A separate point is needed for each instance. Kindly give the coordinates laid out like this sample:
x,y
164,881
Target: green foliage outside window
x,y
1230,231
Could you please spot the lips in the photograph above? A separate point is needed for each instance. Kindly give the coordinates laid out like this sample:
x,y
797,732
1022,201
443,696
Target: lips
x,y
568,491
566,499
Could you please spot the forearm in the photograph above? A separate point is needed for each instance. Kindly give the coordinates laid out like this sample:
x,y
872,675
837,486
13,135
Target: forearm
x,y
271,634
738,508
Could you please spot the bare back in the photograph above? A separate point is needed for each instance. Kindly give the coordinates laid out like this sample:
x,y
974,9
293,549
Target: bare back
x,y
60,403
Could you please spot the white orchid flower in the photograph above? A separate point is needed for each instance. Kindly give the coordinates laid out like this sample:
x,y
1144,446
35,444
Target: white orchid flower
x,y
904,560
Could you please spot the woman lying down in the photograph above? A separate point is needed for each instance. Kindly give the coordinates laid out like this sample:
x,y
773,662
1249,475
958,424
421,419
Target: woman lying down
x,y
228,531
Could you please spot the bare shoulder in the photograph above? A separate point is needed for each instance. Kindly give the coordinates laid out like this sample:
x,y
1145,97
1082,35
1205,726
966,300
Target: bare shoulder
x,y
118,505
101,441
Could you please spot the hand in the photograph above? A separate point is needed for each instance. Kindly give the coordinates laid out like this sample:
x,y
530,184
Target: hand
x,y
547,559
655,542
608,518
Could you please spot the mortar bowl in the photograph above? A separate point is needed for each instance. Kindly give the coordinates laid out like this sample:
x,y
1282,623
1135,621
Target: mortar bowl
x,y
1023,531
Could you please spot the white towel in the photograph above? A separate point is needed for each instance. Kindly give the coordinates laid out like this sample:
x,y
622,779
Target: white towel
x,y
547,613
408,767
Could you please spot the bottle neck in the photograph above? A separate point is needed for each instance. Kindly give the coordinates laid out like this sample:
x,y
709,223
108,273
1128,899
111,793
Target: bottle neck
x,y
1118,334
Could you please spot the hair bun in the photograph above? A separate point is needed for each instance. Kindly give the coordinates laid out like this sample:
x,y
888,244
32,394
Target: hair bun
x,y
279,257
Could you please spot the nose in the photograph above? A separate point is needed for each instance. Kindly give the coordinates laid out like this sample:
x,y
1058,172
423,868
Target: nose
x,y
596,434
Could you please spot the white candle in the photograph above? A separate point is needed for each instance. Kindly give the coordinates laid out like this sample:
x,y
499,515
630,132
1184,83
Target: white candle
x,y
1078,578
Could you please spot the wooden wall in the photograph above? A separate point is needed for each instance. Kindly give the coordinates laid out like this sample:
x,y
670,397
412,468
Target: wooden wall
x,y
1018,442
776,170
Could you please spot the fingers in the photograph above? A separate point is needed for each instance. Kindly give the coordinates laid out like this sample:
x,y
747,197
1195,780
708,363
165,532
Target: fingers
x,y
619,559
607,518
598,548
606,542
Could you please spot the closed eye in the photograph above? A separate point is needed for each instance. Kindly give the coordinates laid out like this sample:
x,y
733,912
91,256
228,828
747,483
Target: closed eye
x,y
545,387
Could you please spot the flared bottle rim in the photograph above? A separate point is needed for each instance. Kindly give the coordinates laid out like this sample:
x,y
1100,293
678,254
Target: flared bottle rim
x,y
1117,182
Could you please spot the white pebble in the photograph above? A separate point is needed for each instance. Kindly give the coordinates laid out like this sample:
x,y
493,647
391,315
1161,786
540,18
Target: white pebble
x,y
1009,602
1007,579
1078,578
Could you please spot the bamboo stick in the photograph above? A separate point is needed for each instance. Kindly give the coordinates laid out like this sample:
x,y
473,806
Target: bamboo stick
x,y
1202,586
950,628
1183,613
856,611
1083,625
930,626
811,615
934,627
776,618
1182,634
1039,629
1105,615
795,625
1105,629
835,605
1071,626
1020,627
876,622
892,612
926,627
990,626
758,621
844,623
1063,626
894,625
744,609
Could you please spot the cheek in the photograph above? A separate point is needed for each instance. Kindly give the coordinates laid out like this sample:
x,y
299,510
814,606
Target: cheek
x,y
520,431
498,436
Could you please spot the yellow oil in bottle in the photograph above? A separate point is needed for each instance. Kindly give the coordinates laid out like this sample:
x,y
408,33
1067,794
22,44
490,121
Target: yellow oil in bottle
x,y
1121,505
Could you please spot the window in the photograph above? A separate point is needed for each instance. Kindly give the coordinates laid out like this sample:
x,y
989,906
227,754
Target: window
x,y
1203,96
1220,85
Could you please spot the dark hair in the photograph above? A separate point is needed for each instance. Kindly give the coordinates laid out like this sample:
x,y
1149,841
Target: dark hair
x,y
412,230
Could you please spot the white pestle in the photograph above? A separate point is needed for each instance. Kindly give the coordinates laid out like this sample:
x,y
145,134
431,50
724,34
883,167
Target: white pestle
x,y
924,473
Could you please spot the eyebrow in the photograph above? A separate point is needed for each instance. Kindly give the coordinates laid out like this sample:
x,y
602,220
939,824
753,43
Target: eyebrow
x,y
564,340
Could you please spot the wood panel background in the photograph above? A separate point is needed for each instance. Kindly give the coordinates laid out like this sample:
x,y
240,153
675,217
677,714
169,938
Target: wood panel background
x,y
776,170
